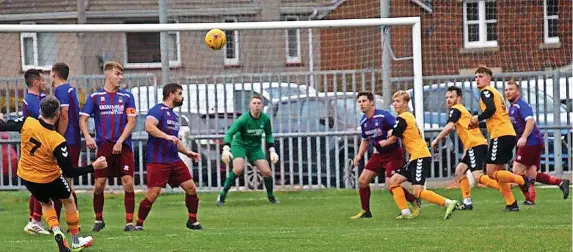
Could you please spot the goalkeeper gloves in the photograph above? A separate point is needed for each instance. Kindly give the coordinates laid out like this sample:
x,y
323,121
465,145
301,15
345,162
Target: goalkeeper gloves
x,y
226,156
274,156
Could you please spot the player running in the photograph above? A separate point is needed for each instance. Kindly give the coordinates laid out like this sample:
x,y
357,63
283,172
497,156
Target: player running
x,y
44,155
36,85
415,171
502,137
529,146
475,146
114,113
163,162
243,140
375,125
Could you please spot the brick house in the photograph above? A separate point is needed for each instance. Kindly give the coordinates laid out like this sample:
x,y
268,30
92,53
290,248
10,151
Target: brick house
x,y
458,35
281,51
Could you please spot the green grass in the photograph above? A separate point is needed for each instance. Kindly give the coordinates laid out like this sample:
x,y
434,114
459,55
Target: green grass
x,y
311,221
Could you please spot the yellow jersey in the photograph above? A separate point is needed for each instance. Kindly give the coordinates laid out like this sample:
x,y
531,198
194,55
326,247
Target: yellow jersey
x,y
499,123
461,117
37,161
412,139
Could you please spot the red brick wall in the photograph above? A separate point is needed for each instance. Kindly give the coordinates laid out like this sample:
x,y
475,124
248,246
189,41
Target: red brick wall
x,y
520,35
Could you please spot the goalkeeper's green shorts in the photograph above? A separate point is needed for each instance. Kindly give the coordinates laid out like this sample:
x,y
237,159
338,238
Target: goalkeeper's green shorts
x,y
251,153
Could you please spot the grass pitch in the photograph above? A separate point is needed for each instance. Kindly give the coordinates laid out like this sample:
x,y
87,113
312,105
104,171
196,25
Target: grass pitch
x,y
311,221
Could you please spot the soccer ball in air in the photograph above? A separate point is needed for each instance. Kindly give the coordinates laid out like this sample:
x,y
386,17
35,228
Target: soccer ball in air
x,y
215,39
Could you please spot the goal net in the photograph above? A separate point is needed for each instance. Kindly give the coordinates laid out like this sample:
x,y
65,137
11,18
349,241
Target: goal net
x,y
307,67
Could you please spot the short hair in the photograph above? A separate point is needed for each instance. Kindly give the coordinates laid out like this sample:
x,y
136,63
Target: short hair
x,y
49,106
257,97
403,94
455,89
110,65
170,88
61,69
513,82
31,75
484,69
368,95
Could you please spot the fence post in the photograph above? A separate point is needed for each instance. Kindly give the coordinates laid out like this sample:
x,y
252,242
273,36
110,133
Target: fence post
x,y
557,122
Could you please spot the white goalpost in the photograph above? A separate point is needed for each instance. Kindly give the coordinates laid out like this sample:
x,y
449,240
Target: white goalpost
x,y
414,22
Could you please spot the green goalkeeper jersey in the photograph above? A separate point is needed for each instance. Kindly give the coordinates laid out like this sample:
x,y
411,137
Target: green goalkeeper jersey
x,y
247,131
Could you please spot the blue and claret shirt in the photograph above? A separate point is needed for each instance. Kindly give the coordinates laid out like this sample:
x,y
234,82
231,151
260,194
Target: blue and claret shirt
x,y
31,106
110,112
519,112
160,150
68,97
376,129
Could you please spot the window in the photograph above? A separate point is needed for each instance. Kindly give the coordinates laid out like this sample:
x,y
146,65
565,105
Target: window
x,y
232,46
480,24
550,20
143,50
38,50
292,43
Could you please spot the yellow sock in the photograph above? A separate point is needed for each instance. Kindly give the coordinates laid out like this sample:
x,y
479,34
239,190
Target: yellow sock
x,y
399,198
465,187
507,177
487,181
432,197
51,217
73,221
505,190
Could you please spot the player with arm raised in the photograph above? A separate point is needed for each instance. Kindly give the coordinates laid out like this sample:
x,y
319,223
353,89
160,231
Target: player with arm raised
x,y
529,145
375,125
502,137
416,170
243,140
163,162
44,156
114,112
475,146
36,86
68,124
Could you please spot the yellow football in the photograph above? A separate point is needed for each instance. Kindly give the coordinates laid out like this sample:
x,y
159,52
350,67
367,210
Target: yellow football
x,y
215,39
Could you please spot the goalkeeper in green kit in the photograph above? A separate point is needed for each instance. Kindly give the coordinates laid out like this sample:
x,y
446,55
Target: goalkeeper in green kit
x,y
243,140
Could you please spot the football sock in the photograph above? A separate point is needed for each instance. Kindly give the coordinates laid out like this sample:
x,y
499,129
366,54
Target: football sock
x,y
129,203
487,181
73,221
98,206
399,197
465,187
432,197
409,196
228,182
143,211
269,185
547,179
505,190
192,204
507,177
364,198
51,217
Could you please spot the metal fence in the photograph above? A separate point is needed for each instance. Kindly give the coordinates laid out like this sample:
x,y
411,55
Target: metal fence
x,y
315,119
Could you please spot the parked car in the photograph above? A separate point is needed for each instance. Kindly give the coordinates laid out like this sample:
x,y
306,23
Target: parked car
x,y
435,113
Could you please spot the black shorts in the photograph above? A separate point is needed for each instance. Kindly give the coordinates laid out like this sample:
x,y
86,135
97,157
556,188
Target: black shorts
x,y
55,190
475,157
501,150
416,170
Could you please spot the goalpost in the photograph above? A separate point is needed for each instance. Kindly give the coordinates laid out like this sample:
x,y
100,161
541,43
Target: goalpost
x,y
414,22
341,56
